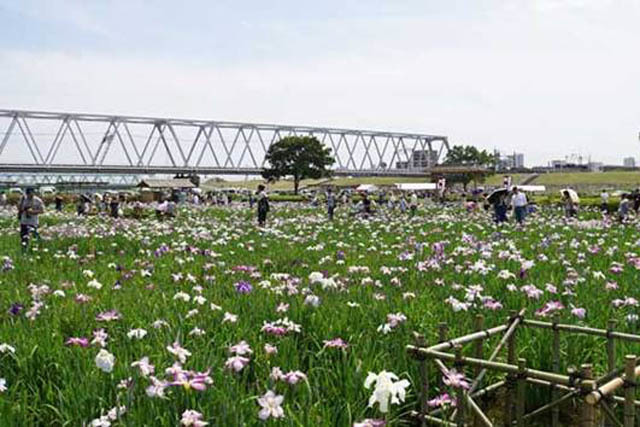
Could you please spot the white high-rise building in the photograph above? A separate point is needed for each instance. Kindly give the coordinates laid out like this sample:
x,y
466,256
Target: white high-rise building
x,y
629,162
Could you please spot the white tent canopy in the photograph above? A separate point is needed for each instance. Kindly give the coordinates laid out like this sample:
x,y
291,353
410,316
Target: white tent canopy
x,y
532,188
366,187
416,186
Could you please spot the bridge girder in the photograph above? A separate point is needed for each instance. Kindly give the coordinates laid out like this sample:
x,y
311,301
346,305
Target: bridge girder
x,y
109,144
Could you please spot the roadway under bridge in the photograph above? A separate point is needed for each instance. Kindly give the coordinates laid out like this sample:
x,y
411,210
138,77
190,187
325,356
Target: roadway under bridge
x,y
55,144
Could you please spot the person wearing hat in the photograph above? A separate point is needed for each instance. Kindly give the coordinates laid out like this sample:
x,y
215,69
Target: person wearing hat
x,y
29,208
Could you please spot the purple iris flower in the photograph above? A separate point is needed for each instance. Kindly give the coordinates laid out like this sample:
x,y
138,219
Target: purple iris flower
x,y
243,287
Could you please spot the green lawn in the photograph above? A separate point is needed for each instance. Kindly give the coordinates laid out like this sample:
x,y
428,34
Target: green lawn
x,y
590,178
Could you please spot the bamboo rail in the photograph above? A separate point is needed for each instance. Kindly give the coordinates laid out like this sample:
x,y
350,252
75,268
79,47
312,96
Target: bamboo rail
x,y
582,330
609,388
497,366
552,405
468,338
594,394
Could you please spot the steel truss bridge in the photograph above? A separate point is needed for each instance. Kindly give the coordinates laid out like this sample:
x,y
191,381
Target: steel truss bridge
x,y
52,144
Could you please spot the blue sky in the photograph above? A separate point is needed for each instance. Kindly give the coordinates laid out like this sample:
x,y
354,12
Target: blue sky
x,y
545,77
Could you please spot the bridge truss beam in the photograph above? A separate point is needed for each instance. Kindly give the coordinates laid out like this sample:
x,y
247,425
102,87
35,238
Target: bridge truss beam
x,y
33,141
40,179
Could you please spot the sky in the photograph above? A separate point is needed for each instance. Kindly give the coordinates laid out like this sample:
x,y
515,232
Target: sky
x,y
547,78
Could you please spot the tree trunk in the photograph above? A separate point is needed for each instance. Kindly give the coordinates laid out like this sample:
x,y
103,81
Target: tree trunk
x,y
296,184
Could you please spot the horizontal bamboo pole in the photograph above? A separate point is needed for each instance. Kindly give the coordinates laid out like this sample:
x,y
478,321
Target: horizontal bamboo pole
x,y
621,399
548,384
609,376
498,366
581,330
563,387
488,389
468,338
432,420
608,388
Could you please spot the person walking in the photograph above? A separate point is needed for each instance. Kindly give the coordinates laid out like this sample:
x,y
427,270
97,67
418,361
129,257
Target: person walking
x,y
29,207
604,201
392,201
570,209
263,205
366,204
635,198
623,208
413,204
58,202
114,206
403,203
500,209
331,203
519,201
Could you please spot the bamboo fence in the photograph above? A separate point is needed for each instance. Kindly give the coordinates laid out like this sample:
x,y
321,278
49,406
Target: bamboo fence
x,y
595,395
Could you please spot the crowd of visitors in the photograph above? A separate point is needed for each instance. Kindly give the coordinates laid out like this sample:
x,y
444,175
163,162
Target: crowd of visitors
x,y
359,204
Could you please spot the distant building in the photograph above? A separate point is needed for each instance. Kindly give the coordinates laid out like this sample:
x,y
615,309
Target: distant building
x,y
629,162
419,159
509,161
518,160
596,166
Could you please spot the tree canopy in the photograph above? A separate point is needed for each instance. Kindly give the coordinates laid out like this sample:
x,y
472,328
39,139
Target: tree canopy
x,y
468,155
301,157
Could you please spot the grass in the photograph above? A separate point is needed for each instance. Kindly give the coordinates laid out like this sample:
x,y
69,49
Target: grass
x,y
583,181
401,271
590,178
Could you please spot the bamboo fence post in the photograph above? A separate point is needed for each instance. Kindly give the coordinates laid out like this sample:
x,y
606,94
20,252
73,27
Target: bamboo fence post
x,y
611,345
521,390
555,393
424,381
629,391
460,393
588,412
611,358
477,353
511,359
511,329
443,332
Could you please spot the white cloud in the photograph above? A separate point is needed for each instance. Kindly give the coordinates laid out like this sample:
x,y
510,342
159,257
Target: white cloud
x,y
545,84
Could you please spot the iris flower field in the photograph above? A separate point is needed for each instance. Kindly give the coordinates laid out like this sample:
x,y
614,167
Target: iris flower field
x,y
209,320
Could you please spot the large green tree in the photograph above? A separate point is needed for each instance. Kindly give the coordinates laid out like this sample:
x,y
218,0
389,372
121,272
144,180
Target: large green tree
x,y
468,155
300,157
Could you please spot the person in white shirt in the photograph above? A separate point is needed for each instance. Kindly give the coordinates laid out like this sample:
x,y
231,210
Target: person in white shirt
x,y
413,204
519,201
29,207
604,201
